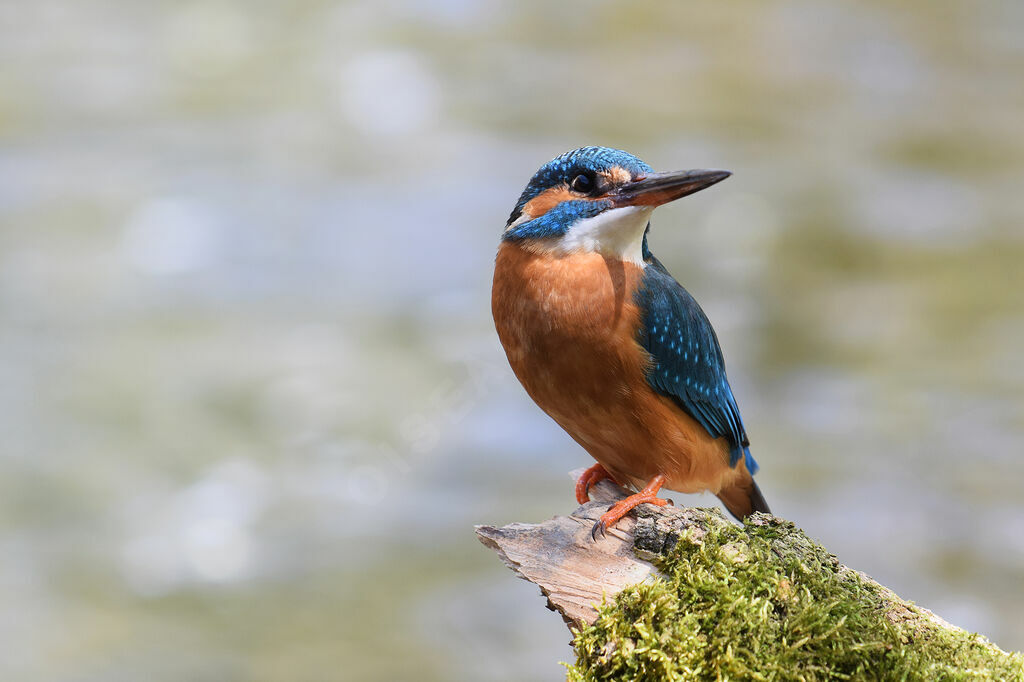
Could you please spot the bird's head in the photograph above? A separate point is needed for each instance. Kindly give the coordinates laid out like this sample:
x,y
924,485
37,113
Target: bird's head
x,y
596,199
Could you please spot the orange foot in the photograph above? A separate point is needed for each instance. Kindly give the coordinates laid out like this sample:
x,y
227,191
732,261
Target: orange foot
x,y
588,478
649,495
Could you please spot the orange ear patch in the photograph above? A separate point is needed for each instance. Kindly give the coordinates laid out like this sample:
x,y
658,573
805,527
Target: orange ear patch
x,y
547,200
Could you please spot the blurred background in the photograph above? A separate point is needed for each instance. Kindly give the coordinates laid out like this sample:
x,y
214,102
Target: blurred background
x,y
251,399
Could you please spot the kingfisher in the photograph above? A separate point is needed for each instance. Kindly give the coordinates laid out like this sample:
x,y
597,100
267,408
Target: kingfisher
x,y
609,344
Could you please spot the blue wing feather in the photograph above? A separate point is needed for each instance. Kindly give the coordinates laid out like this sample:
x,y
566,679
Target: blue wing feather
x,y
688,364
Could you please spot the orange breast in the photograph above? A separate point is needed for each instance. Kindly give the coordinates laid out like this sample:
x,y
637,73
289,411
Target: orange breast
x,y
568,324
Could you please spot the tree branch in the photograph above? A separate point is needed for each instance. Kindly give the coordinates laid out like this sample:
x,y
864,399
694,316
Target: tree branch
x,y
768,559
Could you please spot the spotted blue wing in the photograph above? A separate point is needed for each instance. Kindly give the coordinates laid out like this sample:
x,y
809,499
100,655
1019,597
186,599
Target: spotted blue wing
x,y
688,364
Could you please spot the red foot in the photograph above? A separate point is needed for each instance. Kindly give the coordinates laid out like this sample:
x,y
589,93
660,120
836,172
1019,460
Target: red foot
x,y
588,478
649,495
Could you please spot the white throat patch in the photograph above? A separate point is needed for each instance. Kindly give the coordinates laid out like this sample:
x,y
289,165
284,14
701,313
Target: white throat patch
x,y
616,233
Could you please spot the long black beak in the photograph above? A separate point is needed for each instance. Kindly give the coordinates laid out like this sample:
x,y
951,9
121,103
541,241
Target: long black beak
x,y
656,189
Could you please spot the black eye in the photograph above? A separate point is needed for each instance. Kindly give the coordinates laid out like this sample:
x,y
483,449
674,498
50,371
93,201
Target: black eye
x,y
582,183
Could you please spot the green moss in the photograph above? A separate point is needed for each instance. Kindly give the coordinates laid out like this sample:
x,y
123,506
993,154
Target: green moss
x,y
764,602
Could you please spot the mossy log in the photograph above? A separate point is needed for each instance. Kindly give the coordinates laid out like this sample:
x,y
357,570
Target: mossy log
x,y
685,594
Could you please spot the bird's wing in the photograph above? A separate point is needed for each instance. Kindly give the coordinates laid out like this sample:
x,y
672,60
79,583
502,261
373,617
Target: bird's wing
x,y
688,364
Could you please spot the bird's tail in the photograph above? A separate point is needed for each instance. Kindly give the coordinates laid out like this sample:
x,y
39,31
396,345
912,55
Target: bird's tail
x,y
744,498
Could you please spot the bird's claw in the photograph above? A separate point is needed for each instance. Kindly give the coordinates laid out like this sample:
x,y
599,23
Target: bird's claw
x,y
618,510
588,478
602,524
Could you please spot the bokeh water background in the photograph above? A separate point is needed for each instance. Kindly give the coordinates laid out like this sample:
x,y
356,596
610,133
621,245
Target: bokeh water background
x,y
251,400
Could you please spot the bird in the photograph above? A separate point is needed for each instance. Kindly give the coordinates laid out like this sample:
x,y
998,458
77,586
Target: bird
x,y
609,344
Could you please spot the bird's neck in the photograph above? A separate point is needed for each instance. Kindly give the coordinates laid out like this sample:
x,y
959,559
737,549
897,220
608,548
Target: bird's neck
x,y
615,235
564,294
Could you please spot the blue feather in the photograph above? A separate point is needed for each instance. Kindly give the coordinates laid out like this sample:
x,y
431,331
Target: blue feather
x,y
557,221
698,385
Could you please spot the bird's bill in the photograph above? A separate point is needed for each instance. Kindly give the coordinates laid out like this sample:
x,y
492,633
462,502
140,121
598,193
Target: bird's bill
x,y
656,189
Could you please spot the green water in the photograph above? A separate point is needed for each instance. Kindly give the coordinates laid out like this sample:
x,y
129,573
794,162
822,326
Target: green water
x,y
250,395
